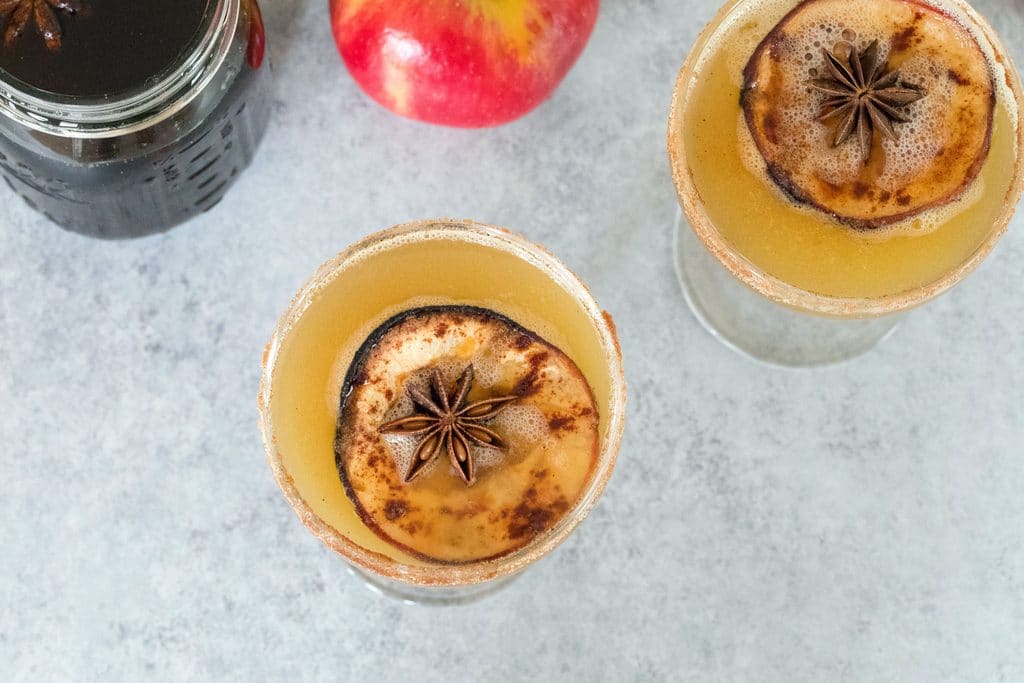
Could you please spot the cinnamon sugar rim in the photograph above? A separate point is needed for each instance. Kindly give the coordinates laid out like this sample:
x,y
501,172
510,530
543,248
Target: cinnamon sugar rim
x,y
795,297
439,574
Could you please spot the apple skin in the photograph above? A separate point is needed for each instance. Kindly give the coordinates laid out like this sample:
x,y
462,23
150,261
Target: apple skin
x,y
464,63
256,50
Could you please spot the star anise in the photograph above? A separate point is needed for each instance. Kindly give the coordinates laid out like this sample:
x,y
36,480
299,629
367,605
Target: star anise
x,y
863,96
18,13
448,424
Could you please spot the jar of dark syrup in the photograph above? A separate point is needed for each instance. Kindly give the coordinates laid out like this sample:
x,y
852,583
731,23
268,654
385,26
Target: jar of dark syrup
x,y
127,117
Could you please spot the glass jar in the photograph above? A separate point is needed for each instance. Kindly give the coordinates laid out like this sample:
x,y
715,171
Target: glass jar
x,y
147,160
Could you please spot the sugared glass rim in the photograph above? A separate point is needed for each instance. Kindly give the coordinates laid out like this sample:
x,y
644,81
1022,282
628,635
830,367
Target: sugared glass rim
x,y
65,116
778,290
465,574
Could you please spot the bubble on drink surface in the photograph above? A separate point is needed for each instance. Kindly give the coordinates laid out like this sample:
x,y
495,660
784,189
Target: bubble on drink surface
x,y
523,422
401,448
487,371
451,370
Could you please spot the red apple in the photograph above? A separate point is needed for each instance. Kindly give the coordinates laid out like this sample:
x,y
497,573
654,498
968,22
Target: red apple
x,y
467,63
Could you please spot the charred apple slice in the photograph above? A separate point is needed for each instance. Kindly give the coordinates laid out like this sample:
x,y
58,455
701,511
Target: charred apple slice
x,y
872,112
462,435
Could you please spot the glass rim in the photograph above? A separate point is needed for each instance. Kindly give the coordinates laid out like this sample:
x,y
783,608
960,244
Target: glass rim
x,y
775,288
62,116
450,575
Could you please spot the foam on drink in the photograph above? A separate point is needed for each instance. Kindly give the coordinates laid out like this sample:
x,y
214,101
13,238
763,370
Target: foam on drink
x,y
848,26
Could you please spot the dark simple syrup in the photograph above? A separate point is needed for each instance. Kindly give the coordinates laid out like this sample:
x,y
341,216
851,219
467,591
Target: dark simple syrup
x,y
107,48
129,186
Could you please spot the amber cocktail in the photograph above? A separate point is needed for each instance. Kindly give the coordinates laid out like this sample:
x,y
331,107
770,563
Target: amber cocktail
x,y
442,404
850,160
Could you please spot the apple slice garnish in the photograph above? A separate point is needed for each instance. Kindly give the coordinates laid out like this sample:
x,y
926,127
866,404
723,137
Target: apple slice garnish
x,y
923,153
531,449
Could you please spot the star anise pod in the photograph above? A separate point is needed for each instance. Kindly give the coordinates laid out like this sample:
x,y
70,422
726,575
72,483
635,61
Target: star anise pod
x,y
18,13
448,424
862,96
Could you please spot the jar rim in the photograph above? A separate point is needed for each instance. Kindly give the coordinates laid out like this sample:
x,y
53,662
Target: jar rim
x,y
69,116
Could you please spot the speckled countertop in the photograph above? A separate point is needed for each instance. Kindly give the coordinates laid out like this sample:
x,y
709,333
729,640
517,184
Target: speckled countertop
x,y
856,523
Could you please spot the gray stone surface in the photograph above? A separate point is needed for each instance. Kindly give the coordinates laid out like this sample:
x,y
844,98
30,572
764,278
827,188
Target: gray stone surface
x,y
856,523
